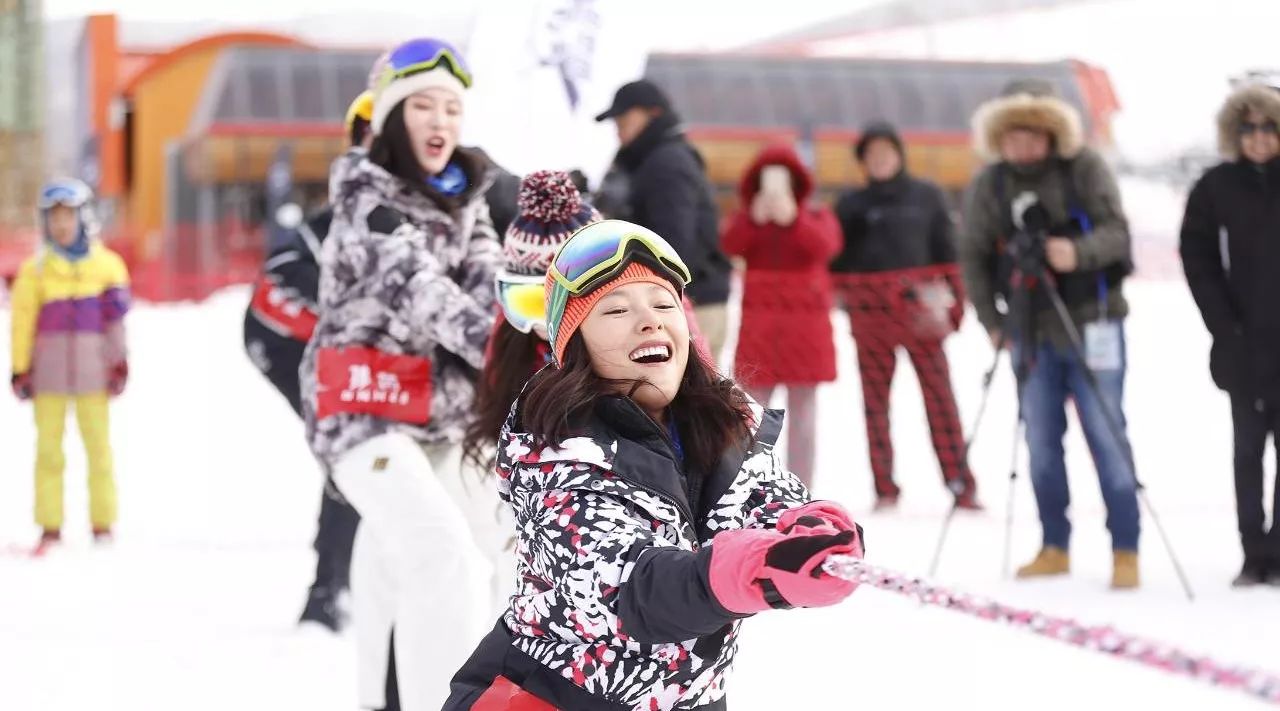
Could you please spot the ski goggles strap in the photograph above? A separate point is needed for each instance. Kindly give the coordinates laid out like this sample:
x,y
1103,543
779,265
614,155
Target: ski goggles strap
x,y
600,251
423,55
523,300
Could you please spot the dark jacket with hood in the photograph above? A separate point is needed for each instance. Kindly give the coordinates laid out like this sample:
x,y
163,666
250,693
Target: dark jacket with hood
x,y
659,181
1230,246
613,609
1072,174
895,224
896,273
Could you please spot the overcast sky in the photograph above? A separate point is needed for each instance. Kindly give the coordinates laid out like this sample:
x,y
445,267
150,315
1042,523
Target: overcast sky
x,y
673,24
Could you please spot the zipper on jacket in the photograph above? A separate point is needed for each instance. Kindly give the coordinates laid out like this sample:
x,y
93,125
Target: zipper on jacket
x,y
687,507
685,510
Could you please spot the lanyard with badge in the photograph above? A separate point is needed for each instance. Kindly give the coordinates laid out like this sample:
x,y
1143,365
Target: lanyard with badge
x,y
1103,342
1103,349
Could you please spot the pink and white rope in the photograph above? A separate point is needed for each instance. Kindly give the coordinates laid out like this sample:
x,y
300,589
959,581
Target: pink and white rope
x,y
1106,640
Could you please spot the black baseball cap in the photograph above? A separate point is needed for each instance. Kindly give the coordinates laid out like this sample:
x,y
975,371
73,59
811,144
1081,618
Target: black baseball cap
x,y
642,93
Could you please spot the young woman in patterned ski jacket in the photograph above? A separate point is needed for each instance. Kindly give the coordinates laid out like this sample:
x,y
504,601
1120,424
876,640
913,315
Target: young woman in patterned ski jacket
x,y
406,305
652,514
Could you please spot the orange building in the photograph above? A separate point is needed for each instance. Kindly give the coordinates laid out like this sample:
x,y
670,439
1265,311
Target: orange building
x,y
178,143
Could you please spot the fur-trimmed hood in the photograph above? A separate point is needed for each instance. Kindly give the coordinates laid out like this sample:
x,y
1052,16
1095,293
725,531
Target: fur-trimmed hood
x,y
1260,97
1027,104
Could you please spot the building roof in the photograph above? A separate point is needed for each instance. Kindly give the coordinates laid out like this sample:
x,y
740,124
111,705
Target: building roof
x,y
282,90
746,91
228,39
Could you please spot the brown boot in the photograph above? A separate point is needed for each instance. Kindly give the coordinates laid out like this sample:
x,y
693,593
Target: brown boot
x,y
1124,573
1051,560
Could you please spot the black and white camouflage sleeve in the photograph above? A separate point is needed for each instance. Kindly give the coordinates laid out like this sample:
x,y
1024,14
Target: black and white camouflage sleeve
x,y
483,260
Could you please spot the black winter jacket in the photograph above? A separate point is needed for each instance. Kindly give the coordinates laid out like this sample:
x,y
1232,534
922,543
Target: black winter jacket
x,y
897,224
659,181
1230,247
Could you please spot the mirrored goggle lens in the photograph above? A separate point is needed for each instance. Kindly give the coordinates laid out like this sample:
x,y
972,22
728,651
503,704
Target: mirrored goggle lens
x,y
425,54
60,196
523,302
593,255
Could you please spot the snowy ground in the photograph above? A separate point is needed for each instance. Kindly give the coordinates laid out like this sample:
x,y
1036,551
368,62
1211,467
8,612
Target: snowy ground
x,y
194,606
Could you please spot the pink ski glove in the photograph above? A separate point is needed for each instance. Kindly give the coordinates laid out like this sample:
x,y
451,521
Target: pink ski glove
x,y
753,570
829,511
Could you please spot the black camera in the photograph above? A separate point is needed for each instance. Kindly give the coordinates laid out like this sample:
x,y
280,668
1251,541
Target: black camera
x,y
1026,245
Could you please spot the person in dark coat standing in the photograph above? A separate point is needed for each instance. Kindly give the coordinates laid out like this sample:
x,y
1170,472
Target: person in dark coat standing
x,y
899,282
281,316
1228,233
785,338
659,181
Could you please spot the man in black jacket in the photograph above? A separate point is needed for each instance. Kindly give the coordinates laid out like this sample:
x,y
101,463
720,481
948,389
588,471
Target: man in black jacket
x,y
659,181
1229,233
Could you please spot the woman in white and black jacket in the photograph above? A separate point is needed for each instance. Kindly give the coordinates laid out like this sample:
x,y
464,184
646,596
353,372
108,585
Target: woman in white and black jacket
x,y
406,306
652,513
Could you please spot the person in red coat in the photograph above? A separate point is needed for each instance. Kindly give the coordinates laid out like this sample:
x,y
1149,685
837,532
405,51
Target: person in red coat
x,y
898,279
786,336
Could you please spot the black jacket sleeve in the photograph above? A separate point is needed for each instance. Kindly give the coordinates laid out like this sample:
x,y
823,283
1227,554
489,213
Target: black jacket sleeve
x,y
1202,261
502,198
942,238
666,192
668,598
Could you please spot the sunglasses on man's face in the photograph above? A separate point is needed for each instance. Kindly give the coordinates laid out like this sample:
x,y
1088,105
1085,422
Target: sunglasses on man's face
x,y
1248,128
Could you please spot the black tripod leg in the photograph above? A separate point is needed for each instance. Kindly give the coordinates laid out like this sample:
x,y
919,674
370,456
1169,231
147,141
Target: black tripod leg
x,y
1013,478
987,379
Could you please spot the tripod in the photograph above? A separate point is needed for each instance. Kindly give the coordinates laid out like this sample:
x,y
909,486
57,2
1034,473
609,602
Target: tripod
x,y
1031,264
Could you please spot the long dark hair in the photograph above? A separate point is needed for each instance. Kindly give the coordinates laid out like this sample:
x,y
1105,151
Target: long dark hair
x,y
393,150
512,360
710,412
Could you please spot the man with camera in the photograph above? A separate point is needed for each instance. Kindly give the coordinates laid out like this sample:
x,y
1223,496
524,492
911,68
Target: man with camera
x,y
1044,250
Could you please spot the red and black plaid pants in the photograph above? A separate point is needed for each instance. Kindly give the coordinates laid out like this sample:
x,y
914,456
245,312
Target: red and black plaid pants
x,y
877,360
887,314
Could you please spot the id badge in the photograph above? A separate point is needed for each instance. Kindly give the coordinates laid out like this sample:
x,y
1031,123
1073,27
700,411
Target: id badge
x,y
1103,349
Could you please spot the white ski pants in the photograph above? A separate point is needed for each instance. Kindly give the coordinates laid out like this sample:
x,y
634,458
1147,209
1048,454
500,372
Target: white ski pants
x,y
418,566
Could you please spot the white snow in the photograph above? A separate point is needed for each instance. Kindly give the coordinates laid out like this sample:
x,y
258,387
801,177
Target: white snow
x,y
193,607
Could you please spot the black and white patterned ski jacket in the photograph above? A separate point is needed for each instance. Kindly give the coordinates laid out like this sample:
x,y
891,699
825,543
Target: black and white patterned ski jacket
x,y
613,609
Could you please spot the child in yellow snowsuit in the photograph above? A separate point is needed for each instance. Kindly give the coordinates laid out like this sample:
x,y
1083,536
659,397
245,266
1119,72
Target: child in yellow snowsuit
x,y
69,302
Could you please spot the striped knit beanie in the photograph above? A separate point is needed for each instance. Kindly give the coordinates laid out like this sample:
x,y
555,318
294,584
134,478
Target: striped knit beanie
x,y
577,308
551,209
